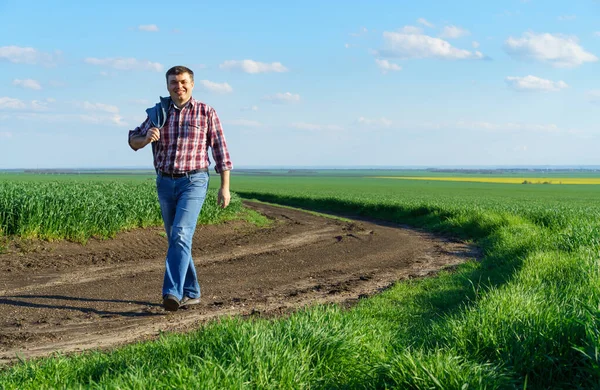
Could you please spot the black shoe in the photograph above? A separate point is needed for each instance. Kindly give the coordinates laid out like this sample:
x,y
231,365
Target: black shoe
x,y
170,302
187,301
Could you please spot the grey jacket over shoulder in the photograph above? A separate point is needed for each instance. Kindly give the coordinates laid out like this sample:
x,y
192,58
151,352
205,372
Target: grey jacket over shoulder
x,y
158,113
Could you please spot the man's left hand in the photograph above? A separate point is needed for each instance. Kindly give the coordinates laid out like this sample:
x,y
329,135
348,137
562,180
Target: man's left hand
x,y
223,198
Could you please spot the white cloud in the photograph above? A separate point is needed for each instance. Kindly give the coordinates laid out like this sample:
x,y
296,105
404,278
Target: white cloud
x,y
386,66
425,23
363,30
286,97
27,83
243,123
404,45
99,113
216,87
453,32
140,101
411,30
114,119
118,120
532,83
316,127
5,134
474,125
510,13
558,50
510,126
12,104
594,96
250,108
56,83
100,107
39,106
28,55
475,44
125,63
250,66
379,122
95,119
148,27
563,18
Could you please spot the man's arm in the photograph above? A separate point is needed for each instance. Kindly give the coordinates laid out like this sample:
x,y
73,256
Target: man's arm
x,y
224,196
139,141
216,141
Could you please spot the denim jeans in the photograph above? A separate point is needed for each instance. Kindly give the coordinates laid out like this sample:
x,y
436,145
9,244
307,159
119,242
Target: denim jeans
x,y
180,201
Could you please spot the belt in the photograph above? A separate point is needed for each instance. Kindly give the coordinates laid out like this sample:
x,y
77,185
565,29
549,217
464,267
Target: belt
x,y
179,175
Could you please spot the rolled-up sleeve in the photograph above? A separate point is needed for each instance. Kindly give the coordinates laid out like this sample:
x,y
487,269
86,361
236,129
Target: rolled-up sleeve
x,y
140,130
217,143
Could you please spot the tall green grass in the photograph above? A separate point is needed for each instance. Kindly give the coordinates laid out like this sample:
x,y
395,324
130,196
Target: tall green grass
x,y
77,210
526,315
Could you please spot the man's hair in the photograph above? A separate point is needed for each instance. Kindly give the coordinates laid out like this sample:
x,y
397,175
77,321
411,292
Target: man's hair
x,y
177,70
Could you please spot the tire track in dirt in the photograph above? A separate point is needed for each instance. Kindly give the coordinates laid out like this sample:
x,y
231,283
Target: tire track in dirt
x,y
67,297
94,274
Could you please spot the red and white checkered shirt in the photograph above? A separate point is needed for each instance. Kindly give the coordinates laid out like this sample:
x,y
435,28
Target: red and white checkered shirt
x,y
185,138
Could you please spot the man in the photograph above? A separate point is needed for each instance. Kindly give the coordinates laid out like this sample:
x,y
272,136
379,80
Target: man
x,y
180,130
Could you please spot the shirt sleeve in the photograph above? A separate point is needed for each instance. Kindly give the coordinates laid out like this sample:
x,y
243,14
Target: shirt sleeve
x,y
140,130
217,143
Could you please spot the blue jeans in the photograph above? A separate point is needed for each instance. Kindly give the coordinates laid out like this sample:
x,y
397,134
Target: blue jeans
x,y
180,201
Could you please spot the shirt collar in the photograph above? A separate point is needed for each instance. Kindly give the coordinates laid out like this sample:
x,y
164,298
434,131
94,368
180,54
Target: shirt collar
x,y
189,102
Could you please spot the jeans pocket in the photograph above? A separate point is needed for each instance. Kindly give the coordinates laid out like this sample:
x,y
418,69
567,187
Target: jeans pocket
x,y
200,178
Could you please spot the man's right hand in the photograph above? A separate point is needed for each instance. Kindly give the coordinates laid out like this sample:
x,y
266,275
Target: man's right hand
x,y
152,135
139,141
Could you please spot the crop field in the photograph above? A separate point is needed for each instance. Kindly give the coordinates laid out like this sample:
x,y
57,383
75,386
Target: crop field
x,y
527,315
77,207
505,180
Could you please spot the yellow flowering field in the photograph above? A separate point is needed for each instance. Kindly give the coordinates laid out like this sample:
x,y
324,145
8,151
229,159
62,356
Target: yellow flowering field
x,y
508,180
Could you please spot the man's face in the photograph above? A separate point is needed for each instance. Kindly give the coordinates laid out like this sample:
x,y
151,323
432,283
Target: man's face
x,y
180,87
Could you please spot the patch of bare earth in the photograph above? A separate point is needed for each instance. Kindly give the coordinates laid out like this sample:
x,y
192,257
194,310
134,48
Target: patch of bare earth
x,y
69,297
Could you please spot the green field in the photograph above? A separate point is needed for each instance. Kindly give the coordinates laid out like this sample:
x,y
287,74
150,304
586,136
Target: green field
x,y
77,207
526,316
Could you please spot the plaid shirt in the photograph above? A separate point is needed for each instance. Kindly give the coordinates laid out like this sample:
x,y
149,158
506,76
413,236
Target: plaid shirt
x,y
185,138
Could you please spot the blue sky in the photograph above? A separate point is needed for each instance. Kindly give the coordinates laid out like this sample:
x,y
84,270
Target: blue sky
x,y
314,83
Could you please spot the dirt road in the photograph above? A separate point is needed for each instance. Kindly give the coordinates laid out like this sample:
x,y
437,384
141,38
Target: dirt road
x,y
69,297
